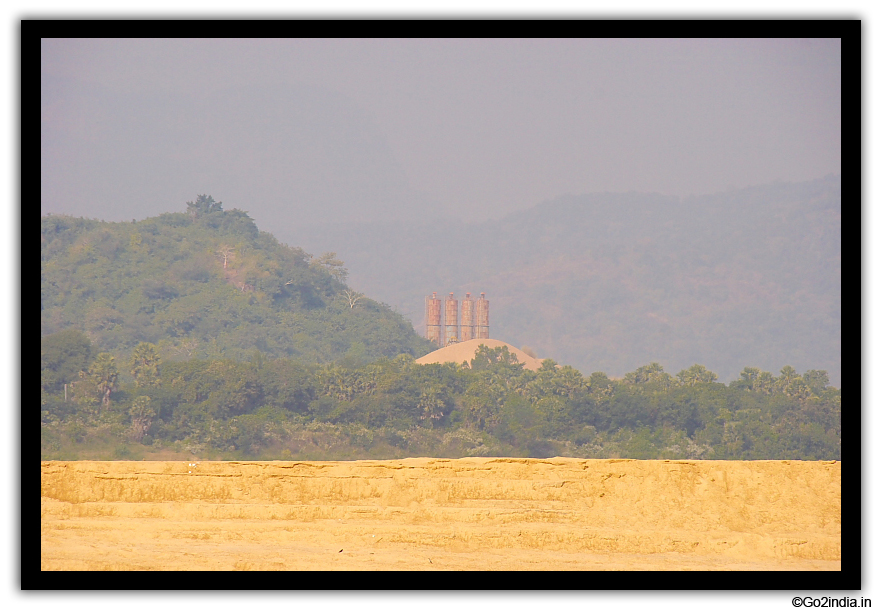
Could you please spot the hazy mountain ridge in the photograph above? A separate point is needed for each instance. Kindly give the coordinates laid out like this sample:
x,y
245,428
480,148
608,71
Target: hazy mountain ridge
x,y
611,281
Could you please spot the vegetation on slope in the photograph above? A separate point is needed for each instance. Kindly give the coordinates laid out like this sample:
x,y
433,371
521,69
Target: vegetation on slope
x,y
208,283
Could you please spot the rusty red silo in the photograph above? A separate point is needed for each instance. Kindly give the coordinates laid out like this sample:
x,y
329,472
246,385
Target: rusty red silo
x,y
467,321
482,318
433,319
451,320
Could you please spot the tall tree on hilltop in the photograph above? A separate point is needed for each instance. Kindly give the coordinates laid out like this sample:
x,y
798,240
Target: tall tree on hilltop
x,y
204,204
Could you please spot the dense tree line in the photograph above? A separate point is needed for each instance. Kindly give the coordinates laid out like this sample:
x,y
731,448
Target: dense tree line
x,y
392,407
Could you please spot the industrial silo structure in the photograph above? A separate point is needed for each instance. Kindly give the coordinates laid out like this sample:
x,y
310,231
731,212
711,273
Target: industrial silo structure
x,y
482,318
433,320
467,321
451,320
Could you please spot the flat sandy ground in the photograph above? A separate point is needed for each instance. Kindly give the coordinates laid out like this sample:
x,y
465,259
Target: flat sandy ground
x,y
439,514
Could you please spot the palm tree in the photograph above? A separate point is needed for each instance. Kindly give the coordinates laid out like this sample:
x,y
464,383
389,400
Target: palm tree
x,y
145,365
105,374
816,380
749,375
142,416
696,373
788,374
432,404
765,382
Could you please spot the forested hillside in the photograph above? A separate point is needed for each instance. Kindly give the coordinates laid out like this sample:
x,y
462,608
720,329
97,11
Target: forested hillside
x,y
208,283
611,281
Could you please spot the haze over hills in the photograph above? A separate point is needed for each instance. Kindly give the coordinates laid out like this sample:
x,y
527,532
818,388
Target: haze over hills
x,y
307,154
612,281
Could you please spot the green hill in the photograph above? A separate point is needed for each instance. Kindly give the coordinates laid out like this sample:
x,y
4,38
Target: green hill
x,y
208,283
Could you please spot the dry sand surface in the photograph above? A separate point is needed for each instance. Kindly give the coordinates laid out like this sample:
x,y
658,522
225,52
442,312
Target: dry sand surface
x,y
440,514
465,351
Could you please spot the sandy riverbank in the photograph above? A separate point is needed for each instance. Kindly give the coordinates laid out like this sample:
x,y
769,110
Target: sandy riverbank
x,y
425,514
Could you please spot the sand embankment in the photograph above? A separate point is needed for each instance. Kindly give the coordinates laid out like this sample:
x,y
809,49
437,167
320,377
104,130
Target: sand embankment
x,y
473,513
465,351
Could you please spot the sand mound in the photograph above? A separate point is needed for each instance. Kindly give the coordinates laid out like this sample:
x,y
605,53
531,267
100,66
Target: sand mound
x,y
465,351
428,514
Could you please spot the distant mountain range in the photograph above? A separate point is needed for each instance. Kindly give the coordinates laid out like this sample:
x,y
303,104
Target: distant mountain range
x,y
612,281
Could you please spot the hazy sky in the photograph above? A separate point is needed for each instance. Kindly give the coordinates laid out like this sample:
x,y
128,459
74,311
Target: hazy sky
x,y
303,131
